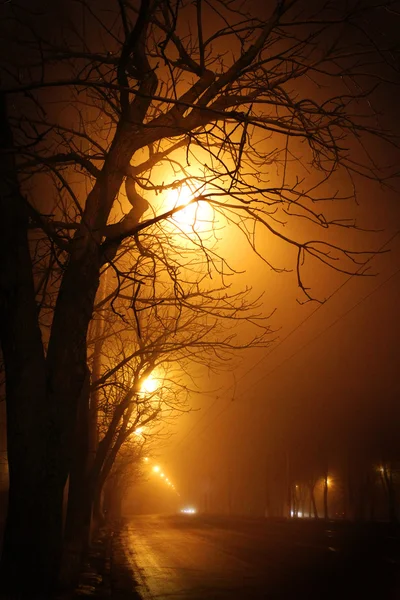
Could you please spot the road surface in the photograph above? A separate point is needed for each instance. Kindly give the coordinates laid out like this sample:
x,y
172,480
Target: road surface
x,y
203,558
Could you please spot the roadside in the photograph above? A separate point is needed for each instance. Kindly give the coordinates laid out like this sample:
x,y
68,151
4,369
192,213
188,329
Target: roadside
x,y
106,572
122,582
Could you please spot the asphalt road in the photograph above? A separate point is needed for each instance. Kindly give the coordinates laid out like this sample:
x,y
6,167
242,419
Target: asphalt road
x,y
198,558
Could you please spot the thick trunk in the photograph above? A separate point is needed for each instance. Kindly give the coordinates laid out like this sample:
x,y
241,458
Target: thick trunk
x,y
76,540
85,487
32,541
77,526
99,516
32,535
42,396
67,351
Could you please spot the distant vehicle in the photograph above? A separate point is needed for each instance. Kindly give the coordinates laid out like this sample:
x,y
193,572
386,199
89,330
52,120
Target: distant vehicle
x,y
188,510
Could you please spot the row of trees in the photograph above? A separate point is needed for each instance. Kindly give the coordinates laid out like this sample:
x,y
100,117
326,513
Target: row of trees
x,y
135,138
369,494
307,470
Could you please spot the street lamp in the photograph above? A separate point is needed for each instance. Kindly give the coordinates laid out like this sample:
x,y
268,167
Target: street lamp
x,y
149,385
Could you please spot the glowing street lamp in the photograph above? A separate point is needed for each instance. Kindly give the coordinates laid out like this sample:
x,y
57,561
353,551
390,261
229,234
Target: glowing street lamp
x,y
157,469
180,196
192,214
149,385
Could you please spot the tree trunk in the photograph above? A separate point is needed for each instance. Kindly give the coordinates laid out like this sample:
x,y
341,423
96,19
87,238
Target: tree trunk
x,y
32,537
79,508
87,479
326,511
43,395
113,499
76,541
98,508
32,542
312,500
98,330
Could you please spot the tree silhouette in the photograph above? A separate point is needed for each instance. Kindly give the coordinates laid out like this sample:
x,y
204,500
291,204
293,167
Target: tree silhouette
x,y
250,122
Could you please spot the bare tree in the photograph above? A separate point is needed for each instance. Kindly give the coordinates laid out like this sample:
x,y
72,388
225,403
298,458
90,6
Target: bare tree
x,y
256,120
126,471
142,377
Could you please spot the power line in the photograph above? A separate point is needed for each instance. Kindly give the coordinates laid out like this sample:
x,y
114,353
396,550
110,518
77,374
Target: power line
x,y
387,280
341,286
283,340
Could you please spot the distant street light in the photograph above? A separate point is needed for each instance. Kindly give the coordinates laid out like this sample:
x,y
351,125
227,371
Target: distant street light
x,y
157,469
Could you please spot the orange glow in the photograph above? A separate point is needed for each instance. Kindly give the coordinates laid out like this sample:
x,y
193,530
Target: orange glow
x,y
196,215
150,385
